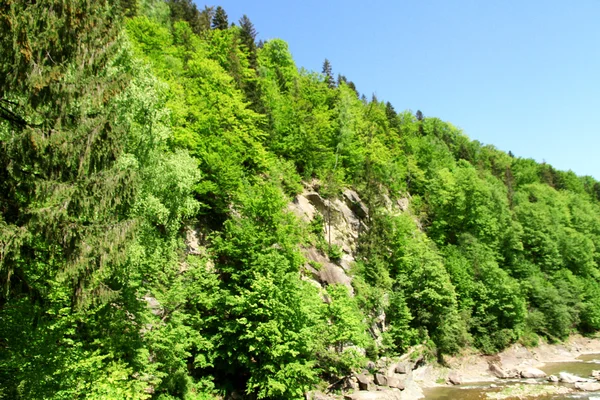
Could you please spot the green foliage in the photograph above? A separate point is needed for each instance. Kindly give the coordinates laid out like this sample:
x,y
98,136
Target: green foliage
x,y
146,250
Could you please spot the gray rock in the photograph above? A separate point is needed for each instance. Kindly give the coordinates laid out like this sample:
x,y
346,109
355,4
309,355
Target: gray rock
x,y
454,378
371,366
513,373
596,374
565,377
381,379
403,368
498,371
364,381
588,386
395,382
328,272
351,383
532,373
553,378
355,204
154,306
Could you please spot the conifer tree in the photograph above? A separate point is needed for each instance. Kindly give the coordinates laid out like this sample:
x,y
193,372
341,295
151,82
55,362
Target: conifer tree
x,y
248,38
391,114
328,74
220,20
186,10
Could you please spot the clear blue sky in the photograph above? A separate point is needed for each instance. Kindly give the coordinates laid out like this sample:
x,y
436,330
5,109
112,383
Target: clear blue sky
x,y
521,75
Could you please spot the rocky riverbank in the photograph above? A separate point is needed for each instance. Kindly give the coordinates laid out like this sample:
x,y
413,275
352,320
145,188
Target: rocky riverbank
x,y
406,377
516,361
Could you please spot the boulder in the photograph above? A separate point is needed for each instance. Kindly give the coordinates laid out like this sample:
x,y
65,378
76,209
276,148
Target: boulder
x,y
403,367
395,382
565,377
364,381
381,379
596,374
588,386
553,378
351,383
532,373
454,378
498,371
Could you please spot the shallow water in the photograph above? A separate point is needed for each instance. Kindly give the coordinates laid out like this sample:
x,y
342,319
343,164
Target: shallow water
x,y
582,367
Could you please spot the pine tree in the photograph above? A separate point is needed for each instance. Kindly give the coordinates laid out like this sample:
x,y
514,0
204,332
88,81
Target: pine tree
x,y
220,20
391,114
248,38
328,74
186,10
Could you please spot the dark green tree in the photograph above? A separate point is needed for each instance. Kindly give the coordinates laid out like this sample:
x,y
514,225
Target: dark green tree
x,y
219,20
248,38
186,10
327,72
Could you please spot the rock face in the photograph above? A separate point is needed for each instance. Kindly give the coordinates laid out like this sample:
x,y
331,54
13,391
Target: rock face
x,y
353,201
588,386
532,373
327,271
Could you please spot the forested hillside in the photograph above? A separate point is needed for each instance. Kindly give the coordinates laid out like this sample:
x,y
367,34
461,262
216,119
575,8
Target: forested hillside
x,y
129,128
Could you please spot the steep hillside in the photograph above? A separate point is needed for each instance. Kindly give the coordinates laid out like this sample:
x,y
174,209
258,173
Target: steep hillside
x,y
184,213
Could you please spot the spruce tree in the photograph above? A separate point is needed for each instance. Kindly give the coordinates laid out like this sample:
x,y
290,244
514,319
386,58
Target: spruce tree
x,y
391,115
248,38
186,10
328,74
63,200
220,20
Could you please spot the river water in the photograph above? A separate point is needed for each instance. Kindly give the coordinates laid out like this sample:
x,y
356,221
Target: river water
x,y
582,367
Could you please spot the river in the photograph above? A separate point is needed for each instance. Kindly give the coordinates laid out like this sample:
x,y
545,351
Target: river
x,y
480,391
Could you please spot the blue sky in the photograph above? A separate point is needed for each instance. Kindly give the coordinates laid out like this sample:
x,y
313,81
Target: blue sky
x,y
521,75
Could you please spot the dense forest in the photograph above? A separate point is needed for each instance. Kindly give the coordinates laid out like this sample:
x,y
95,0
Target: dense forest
x,y
124,125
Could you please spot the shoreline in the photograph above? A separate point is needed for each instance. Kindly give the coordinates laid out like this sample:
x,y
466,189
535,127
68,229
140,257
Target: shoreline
x,y
475,368
412,376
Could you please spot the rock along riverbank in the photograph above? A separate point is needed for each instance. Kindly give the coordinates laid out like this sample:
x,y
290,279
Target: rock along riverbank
x,y
406,377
